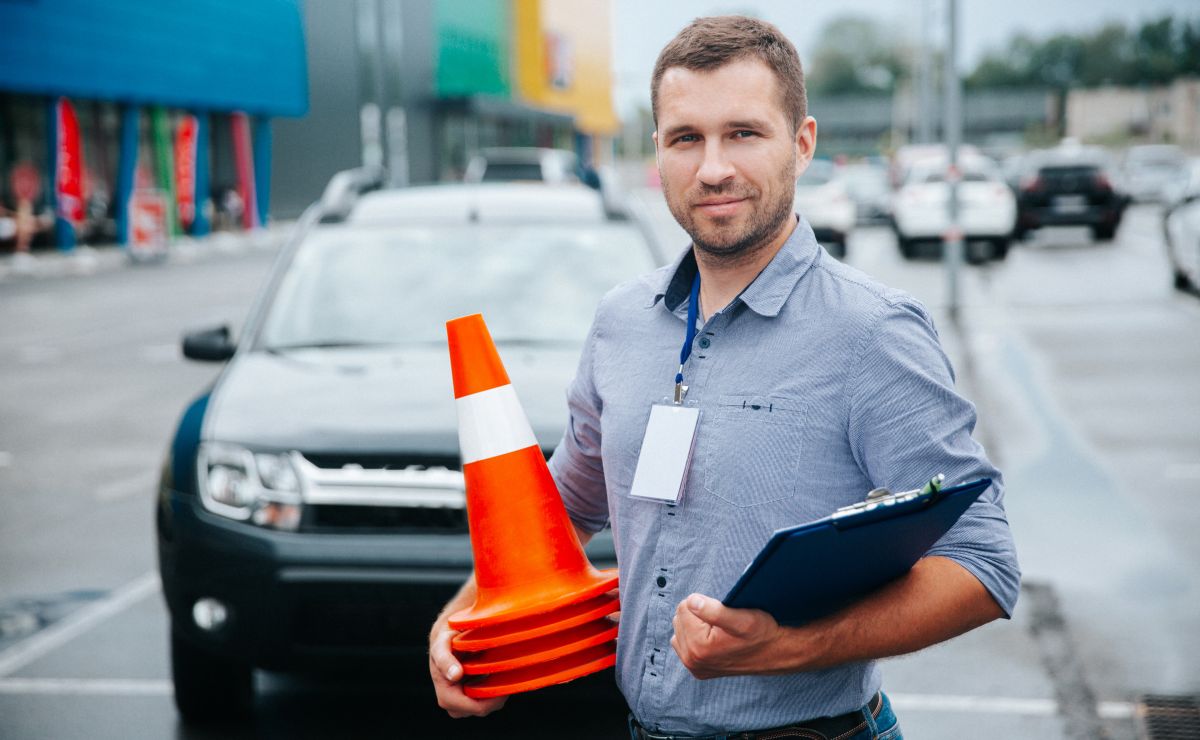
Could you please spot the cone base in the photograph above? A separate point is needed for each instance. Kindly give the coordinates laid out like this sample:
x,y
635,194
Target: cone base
x,y
513,604
527,628
569,668
540,649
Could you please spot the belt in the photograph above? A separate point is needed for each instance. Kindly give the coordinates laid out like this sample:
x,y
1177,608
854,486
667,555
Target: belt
x,y
822,728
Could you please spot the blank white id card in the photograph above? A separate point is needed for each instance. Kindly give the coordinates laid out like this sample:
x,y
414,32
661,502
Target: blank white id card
x,y
666,453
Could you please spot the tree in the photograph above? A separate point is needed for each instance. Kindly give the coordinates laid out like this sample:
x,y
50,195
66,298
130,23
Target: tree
x,y
855,54
1155,53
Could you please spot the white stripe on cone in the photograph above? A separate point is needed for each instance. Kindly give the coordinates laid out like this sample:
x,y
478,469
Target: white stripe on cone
x,y
492,423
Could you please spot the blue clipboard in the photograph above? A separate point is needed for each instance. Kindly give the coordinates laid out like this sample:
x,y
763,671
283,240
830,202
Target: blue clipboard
x,y
812,570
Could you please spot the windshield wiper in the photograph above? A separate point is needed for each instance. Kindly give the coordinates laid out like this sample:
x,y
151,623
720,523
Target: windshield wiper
x,y
328,344
531,342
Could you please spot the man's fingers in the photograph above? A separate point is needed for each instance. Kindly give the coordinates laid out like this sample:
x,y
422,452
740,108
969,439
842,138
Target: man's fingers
x,y
443,658
715,613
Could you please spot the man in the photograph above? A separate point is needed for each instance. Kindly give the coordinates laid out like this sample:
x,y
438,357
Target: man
x,y
815,384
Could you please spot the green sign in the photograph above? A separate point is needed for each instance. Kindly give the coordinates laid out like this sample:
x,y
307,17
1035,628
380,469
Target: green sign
x,y
473,47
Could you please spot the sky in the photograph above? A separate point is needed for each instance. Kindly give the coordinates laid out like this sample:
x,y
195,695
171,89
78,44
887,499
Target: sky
x,y
642,27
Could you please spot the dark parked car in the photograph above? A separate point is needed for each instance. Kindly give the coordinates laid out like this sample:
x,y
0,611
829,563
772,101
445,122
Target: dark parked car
x,y
311,508
1071,187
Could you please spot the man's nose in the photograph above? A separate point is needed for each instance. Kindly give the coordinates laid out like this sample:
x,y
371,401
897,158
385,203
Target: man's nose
x,y
717,167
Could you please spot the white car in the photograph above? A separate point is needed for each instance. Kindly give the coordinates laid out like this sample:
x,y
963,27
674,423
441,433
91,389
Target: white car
x,y
1152,170
822,198
524,164
1181,224
987,209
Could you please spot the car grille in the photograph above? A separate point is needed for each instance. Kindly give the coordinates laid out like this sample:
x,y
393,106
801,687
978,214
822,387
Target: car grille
x,y
381,493
376,617
391,518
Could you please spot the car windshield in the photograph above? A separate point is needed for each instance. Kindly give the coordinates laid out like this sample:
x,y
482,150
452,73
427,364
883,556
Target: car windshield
x,y
534,284
510,171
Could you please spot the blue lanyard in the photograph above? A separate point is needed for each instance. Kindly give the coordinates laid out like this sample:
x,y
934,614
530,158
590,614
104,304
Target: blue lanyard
x,y
686,352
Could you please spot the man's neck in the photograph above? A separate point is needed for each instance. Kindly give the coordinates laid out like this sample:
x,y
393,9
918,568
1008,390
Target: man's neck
x,y
723,279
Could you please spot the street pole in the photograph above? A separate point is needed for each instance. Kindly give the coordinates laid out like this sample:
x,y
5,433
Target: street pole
x,y
925,111
953,239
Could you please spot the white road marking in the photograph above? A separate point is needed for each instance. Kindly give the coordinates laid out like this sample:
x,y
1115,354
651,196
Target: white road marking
x,y
6,459
999,705
902,702
140,484
86,686
75,624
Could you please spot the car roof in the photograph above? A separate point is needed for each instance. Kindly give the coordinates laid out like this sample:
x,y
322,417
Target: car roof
x,y
485,203
1075,156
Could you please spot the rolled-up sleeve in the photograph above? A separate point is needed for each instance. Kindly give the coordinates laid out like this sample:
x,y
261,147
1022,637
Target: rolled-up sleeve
x,y
907,422
576,464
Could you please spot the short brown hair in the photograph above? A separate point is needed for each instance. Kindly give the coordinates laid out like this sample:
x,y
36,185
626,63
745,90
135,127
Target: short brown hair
x,y
708,43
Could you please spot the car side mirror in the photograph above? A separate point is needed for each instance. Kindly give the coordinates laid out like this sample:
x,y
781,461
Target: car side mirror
x,y
209,345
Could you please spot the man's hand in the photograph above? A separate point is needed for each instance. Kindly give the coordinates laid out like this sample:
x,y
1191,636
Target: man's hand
x,y
447,674
714,640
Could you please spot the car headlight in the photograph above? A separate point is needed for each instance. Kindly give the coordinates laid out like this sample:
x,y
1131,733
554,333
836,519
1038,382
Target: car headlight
x,y
262,488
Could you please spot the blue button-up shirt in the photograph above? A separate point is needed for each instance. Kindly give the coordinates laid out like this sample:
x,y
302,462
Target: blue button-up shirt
x,y
815,385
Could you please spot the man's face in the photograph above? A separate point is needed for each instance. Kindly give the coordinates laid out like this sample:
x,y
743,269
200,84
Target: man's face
x,y
727,155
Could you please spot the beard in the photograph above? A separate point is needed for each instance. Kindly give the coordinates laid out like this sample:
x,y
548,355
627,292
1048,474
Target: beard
x,y
724,239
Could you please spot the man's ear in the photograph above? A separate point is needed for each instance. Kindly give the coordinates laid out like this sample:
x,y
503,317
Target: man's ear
x,y
654,136
806,144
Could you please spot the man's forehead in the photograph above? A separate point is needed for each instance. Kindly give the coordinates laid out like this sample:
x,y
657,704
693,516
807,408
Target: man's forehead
x,y
736,87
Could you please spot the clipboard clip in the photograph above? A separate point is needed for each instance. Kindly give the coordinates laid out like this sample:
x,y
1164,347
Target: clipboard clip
x,y
882,497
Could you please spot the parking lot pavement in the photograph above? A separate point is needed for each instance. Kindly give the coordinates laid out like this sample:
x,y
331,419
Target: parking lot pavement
x,y
1082,363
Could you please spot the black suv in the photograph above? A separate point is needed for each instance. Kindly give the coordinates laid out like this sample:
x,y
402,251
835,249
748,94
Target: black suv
x,y
1069,188
311,509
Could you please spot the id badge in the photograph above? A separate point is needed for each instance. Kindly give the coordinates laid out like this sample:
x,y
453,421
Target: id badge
x,y
666,454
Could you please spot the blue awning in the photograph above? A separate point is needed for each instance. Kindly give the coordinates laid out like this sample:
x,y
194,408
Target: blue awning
x,y
219,55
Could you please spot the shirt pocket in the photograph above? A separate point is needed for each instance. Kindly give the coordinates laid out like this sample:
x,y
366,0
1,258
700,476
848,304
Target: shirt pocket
x,y
751,448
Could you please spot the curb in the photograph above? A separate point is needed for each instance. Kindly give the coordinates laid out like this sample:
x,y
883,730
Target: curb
x,y
86,260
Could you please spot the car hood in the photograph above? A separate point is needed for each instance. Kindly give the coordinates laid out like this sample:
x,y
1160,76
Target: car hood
x,y
373,400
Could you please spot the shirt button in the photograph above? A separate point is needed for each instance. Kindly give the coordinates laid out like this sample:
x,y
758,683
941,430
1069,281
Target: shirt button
x,y
704,343
661,581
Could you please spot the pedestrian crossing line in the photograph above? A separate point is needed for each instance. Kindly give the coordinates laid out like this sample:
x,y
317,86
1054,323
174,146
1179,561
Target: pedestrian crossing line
x,y
18,656
902,702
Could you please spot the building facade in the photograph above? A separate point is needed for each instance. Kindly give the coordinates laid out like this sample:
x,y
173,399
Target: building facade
x,y
1164,114
108,108
417,86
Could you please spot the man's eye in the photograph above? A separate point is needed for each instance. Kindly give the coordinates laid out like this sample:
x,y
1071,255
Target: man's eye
x,y
687,139
743,134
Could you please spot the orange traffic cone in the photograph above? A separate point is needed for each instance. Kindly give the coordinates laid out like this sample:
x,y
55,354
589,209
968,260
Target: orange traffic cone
x,y
540,614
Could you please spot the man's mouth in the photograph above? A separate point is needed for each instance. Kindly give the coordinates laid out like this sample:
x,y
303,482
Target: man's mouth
x,y
719,206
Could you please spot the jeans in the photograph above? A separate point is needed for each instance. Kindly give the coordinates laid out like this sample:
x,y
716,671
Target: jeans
x,y
884,727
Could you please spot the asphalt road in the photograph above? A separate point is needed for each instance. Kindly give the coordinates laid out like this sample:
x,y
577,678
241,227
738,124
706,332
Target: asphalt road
x,y
1081,358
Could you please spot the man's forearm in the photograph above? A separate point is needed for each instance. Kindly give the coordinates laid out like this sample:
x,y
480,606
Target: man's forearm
x,y
937,600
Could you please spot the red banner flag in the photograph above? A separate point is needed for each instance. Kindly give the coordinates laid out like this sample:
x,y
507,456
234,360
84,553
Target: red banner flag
x,y
243,156
185,169
68,176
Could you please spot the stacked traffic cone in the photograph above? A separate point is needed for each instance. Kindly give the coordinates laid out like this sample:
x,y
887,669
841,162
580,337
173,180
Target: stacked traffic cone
x,y
541,612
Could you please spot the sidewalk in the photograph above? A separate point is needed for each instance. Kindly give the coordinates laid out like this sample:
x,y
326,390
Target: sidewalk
x,y
87,260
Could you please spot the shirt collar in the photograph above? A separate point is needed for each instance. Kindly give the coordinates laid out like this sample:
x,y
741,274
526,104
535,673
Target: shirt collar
x,y
766,294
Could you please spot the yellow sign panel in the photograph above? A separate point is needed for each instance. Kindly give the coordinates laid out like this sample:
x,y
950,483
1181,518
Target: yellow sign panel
x,y
564,60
